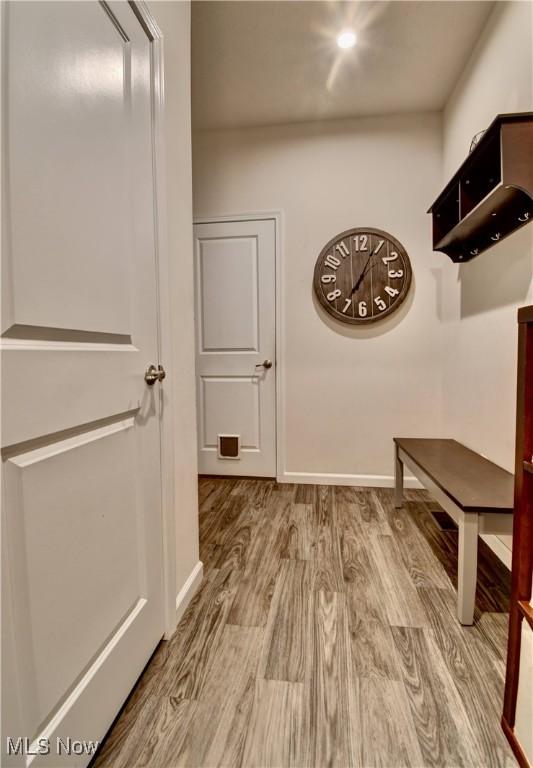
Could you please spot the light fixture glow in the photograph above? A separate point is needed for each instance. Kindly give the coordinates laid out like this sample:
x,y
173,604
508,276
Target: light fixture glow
x,y
347,39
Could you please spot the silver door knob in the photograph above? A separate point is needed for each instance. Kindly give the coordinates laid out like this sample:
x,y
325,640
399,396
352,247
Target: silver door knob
x,y
265,364
153,374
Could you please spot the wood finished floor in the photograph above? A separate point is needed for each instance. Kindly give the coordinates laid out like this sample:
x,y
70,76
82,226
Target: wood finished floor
x,y
324,634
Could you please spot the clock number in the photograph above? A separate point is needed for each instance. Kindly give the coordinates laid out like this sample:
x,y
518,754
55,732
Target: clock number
x,y
361,242
329,278
391,291
397,273
378,246
332,295
393,256
332,261
381,305
363,311
347,305
342,249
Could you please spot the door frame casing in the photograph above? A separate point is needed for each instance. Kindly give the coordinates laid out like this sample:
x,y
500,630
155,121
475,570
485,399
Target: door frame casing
x,y
164,319
277,218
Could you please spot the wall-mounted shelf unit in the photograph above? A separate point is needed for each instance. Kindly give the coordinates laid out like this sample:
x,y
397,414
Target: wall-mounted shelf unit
x,y
491,195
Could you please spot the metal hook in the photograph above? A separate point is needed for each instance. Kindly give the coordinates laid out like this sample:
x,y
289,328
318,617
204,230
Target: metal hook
x,y
496,236
524,217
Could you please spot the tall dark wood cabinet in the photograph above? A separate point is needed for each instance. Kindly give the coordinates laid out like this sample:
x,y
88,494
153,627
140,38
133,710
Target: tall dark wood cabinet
x,y
521,611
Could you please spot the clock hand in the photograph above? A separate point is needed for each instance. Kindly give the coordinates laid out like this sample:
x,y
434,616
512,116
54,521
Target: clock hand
x,y
370,268
361,276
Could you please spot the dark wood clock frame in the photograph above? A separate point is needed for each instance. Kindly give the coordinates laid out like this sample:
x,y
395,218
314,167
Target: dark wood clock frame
x,y
365,294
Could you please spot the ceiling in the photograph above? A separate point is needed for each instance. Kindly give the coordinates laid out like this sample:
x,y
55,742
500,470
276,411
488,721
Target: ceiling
x,y
264,63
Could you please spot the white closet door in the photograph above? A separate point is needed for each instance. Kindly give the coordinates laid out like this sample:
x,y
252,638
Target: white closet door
x,y
235,266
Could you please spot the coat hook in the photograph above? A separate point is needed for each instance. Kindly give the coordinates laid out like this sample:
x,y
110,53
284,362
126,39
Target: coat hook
x,y
474,251
524,217
496,236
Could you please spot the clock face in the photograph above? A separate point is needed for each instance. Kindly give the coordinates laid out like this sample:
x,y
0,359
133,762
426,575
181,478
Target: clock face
x,y
362,275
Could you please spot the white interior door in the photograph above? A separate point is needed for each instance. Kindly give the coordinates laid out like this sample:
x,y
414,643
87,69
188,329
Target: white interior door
x,y
82,605
235,266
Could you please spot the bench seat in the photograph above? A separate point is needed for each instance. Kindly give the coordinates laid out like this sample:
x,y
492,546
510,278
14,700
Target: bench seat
x,y
475,492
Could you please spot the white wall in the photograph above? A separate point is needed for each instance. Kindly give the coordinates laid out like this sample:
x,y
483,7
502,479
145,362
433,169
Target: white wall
x,y
173,19
481,298
347,390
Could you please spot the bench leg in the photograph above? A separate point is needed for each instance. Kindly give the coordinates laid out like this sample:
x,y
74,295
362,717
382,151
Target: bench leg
x,y
398,479
467,575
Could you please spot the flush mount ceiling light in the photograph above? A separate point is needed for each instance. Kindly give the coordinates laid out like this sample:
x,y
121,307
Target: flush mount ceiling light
x,y
347,39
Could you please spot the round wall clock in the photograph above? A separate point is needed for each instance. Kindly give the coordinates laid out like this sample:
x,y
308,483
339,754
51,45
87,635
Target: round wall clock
x,y
362,275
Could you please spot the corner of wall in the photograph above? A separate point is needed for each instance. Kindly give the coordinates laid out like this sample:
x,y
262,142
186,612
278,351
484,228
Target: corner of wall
x,y
188,590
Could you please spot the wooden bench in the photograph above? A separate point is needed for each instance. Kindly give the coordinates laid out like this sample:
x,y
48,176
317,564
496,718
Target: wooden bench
x,y
477,494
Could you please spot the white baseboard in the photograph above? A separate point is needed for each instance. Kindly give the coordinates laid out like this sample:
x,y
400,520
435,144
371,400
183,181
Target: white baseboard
x,y
498,547
187,592
329,478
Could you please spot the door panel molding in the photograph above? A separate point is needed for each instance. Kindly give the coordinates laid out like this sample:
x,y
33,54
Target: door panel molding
x,y
209,441
38,152
119,654
208,294
42,441
31,334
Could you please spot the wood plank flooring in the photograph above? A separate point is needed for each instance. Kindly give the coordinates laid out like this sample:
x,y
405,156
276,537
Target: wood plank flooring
x,y
324,634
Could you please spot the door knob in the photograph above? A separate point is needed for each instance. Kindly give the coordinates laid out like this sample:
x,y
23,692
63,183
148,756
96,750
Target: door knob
x,y
265,364
153,374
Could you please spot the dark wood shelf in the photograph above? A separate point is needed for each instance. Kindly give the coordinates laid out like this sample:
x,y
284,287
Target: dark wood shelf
x,y
491,195
525,314
527,611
